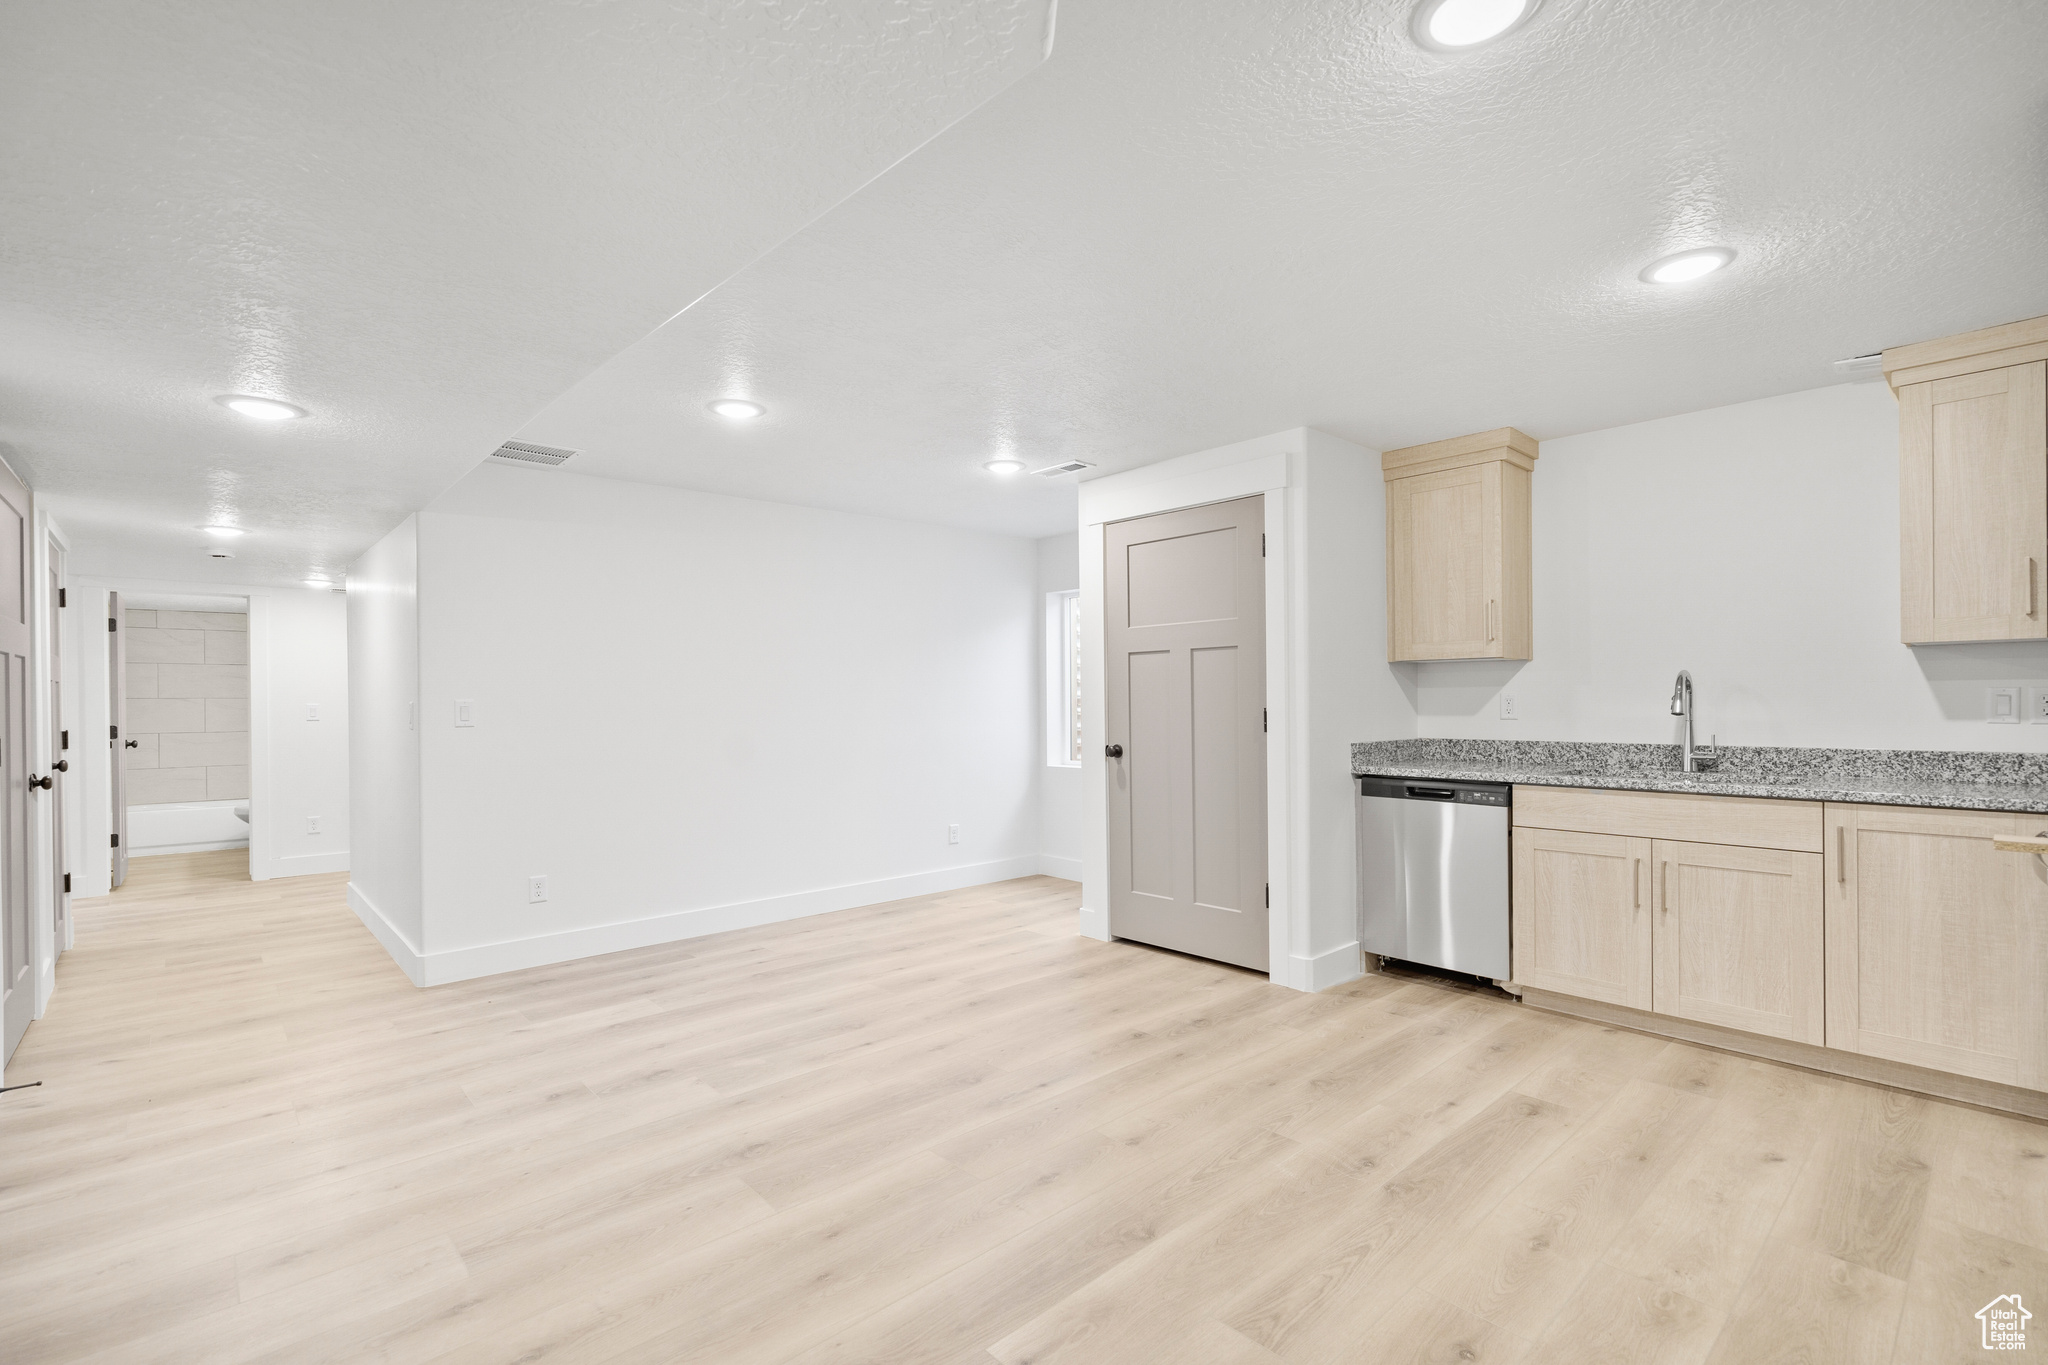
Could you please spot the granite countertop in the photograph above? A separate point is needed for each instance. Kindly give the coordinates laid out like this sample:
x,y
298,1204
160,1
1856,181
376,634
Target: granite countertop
x,y
1885,777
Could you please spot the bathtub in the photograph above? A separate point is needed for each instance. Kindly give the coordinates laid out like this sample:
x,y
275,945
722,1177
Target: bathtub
x,y
187,827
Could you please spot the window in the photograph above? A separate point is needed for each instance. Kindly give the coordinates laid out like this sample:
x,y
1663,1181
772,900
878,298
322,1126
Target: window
x,y
1063,679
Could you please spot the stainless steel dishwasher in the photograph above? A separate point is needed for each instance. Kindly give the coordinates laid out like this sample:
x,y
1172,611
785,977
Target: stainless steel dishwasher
x,y
1433,872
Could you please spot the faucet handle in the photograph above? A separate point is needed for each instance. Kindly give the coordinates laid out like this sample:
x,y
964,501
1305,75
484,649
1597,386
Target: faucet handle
x,y
1707,757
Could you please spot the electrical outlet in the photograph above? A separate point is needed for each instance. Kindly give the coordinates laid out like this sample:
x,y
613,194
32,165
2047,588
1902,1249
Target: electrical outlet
x,y
1507,707
2002,705
465,711
2037,705
952,834
312,824
536,890
312,710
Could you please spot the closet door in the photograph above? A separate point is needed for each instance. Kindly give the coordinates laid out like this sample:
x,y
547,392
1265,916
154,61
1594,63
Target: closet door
x,y
1184,628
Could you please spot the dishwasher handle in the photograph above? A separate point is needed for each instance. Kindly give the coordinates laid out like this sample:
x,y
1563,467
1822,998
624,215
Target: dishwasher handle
x,y
1433,793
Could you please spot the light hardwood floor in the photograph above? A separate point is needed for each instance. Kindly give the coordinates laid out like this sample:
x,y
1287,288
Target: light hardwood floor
x,y
939,1130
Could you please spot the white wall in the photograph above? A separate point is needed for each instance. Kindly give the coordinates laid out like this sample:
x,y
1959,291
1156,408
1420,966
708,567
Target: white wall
x,y
384,748
1059,790
299,767
694,712
1756,545
1354,695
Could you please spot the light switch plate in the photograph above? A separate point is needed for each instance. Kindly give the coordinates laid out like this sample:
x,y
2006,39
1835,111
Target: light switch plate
x,y
465,711
2002,705
312,710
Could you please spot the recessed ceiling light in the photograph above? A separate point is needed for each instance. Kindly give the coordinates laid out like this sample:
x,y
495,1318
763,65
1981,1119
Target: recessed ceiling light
x,y
262,409
224,532
1686,265
319,582
1003,464
737,409
1461,25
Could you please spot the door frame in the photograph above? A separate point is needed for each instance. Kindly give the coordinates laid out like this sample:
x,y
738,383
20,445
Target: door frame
x,y
1270,465
92,854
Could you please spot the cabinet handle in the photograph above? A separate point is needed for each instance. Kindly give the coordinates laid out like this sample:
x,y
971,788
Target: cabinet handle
x,y
1842,855
1639,883
2029,570
1664,887
1493,610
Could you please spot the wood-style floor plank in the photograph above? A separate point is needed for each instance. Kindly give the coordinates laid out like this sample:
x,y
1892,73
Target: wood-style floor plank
x,y
938,1130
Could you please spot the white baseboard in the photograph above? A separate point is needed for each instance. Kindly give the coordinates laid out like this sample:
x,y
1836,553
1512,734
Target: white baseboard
x,y
409,959
298,865
1327,969
1095,924
213,846
511,955
1052,865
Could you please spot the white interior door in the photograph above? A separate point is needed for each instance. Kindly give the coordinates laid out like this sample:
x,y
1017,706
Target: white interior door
x,y
118,741
1185,635
17,956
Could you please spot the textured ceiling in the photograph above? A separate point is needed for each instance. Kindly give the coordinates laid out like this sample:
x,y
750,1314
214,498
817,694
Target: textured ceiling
x,y
419,221
1200,222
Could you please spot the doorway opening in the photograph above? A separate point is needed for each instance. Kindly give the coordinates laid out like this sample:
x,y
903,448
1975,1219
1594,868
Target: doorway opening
x,y
179,678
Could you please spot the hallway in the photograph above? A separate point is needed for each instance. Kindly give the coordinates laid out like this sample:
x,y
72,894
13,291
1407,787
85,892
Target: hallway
x,y
943,1129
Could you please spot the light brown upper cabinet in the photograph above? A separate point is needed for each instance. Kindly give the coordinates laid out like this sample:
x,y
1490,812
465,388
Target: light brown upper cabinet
x,y
1973,484
1458,548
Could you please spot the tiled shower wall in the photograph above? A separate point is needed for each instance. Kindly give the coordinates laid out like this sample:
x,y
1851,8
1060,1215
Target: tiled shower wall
x,y
188,706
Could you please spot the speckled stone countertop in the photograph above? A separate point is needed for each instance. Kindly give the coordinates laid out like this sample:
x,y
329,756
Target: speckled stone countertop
x,y
1885,777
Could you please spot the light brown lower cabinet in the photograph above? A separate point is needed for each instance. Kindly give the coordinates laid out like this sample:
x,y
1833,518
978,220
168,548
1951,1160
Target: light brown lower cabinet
x,y
1910,939
1738,939
1937,941
1581,915
1713,932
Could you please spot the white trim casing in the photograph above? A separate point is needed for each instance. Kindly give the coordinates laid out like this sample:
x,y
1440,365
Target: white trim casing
x,y
540,950
1262,466
1279,467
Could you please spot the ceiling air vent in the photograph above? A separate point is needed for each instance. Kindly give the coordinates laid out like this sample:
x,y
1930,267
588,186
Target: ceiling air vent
x,y
1053,471
519,452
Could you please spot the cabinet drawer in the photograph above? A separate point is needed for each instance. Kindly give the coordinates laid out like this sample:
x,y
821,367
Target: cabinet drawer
x,y
1749,821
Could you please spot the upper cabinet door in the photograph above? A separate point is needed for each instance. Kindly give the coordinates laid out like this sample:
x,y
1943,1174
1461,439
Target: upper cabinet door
x,y
1937,941
1458,548
1973,484
1443,565
1973,502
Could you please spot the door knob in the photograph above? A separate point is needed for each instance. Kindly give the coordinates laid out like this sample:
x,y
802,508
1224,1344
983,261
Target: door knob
x,y
62,765
34,782
1113,750
131,744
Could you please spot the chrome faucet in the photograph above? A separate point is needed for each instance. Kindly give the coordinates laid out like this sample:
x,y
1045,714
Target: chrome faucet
x,y
1681,705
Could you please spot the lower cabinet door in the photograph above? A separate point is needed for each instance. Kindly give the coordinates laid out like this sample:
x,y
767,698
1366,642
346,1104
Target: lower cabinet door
x,y
1582,915
1938,941
1739,939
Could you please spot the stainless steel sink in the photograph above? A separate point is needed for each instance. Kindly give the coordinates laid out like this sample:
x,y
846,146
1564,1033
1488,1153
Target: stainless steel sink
x,y
1742,779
